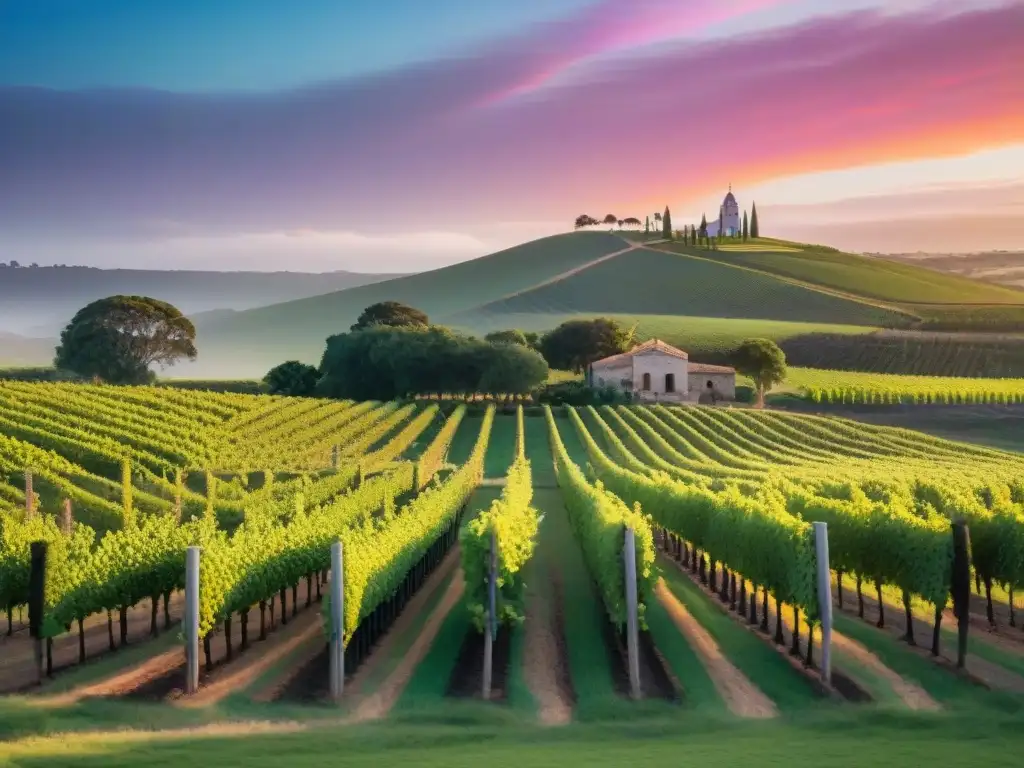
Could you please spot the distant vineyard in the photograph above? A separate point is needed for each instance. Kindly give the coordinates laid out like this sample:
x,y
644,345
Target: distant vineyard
x,y
847,387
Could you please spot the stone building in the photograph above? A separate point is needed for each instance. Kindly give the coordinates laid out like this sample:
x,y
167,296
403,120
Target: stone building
x,y
728,216
656,371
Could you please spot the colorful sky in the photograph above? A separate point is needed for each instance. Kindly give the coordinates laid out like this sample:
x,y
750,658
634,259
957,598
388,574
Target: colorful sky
x,y
400,135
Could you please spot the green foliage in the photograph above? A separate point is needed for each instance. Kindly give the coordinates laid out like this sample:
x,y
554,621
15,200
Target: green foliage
x,y
579,393
575,344
511,336
599,519
292,378
392,314
388,363
762,361
755,228
117,339
513,523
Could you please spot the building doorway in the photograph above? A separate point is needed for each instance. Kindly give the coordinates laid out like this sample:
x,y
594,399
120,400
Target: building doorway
x,y
670,382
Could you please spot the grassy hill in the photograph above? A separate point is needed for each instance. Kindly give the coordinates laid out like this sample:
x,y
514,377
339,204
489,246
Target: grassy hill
x,y
941,300
655,282
823,306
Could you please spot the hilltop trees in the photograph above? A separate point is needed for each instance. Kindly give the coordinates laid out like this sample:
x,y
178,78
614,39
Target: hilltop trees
x,y
755,230
118,338
763,361
611,218
390,313
583,221
575,344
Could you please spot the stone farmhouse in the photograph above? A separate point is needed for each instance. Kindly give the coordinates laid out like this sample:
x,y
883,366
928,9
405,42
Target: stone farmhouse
x,y
658,372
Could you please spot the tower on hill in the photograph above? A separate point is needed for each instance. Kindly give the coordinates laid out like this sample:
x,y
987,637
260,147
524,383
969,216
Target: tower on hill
x,y
729,216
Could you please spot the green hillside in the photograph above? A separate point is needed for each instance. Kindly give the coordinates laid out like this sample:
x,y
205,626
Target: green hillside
x,y
941,300
806,297
654,282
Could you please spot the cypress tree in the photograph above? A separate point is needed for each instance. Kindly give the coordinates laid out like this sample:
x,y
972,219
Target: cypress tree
x,y
703,226
721,221
755,231
666,221
647,226
746,231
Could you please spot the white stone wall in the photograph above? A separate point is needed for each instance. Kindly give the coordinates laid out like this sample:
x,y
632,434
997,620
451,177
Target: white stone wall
x,y
658,366
723,384
612,375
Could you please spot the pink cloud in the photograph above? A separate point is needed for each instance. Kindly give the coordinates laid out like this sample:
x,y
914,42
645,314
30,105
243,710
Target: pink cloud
x,y
612,25
407,149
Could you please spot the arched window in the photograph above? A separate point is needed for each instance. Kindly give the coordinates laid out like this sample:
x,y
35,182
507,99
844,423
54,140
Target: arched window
x,y
670,382
647,382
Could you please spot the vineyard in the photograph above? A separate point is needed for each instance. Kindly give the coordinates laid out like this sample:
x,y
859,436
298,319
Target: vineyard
x,y
719,505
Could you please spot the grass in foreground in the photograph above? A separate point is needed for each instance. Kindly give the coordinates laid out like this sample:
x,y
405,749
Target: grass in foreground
x,y
855,739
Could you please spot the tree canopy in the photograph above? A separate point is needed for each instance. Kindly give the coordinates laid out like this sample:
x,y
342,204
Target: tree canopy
x,y
575,344
763,361
292,378
510,336
117,339
385,363
390,313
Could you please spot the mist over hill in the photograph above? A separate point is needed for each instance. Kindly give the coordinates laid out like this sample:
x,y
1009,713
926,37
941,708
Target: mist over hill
x,y
39,301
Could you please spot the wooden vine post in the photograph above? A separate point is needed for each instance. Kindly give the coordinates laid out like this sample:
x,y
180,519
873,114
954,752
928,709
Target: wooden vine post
x,y
191,620
632,622
961,587
337,640
491,628
30,501
66,519
37,601
824,598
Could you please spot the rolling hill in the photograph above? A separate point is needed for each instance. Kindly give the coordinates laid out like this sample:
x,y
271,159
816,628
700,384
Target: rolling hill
x,y
825,307
940,300
536,286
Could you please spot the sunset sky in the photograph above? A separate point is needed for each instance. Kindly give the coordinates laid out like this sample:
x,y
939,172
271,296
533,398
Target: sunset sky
x,y
401,135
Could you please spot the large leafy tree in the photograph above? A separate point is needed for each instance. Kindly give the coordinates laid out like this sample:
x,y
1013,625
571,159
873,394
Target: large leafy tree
x,y
391,313
117,339
575,344
763,361
292,378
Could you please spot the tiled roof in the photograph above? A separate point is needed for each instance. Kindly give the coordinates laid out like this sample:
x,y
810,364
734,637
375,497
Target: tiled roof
x,y
705,368
651,345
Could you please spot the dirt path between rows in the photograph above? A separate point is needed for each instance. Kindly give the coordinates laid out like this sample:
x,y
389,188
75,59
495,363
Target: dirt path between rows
x,y
543,653
119,683
379,703
987,673
17,653
911,694
743,698
306,628
356,686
